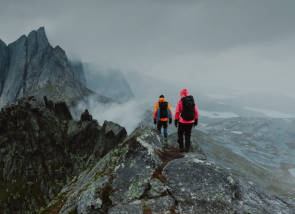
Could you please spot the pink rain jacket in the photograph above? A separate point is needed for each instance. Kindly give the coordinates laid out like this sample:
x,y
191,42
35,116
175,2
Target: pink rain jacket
x,y
178,117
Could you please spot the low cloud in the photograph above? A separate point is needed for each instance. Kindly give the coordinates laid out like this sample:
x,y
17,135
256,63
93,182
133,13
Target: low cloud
x,y
128,115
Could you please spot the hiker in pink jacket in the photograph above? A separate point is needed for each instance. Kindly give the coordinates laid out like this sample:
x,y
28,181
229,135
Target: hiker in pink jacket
x,y
186,116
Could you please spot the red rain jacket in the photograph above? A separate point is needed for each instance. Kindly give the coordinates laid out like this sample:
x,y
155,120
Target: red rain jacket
x,y
178,117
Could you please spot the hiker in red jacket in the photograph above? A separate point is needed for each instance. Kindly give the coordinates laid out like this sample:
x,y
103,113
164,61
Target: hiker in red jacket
x,y
186,116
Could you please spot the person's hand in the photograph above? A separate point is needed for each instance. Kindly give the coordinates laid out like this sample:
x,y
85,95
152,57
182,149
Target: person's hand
x,y
196,122
155,121
176,123
170,120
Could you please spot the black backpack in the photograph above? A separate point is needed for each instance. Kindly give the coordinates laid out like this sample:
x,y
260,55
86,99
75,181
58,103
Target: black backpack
x,y
188,108
163,109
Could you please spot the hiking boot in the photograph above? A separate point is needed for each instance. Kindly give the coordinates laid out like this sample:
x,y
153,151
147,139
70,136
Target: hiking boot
x,y
181,150
186,150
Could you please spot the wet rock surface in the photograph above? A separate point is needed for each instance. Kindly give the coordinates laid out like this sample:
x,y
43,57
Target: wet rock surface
x,y
42,149
144,175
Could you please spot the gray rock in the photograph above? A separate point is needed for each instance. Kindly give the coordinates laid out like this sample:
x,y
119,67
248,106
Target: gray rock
x,y
157,188
143,175
132,208
155,206
136,168
89,200
159,205
200,186
30,66
112,129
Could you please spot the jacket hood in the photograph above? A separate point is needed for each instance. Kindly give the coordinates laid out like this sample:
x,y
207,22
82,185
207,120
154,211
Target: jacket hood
x,y
184,93
162,99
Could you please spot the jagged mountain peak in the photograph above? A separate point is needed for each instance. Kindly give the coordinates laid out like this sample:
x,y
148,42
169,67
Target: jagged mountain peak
x,y
41,31
36,41
38,37
20,40
59,50
28,64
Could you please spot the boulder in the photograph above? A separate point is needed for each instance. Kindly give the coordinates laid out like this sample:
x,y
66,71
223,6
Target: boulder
x,y
62,111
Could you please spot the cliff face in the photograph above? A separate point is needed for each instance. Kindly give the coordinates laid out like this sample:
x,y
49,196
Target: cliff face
x,y
42,149
31,66
143,175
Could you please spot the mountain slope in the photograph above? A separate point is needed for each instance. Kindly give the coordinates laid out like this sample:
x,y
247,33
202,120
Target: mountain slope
x,y
258,149
31,66
42,149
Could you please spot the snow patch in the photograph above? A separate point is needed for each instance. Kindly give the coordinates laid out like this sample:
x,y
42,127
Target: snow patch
x,y
198,160
236,132
213,114
146,145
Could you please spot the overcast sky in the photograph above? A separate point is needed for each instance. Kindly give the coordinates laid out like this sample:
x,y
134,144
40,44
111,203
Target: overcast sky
x,y
238,44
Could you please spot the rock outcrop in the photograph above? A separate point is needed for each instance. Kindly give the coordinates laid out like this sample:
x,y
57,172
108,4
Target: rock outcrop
x,y
42,149
144,175
31,66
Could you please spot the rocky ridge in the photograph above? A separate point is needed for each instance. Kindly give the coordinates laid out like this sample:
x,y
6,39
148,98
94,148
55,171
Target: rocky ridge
x,y
42,149
144,175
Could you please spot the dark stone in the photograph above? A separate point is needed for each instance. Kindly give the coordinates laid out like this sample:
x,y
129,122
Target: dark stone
x,y
62,111
41,151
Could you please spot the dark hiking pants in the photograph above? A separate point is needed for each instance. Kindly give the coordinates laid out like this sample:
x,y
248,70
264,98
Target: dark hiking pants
x,y
184,129
163,124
